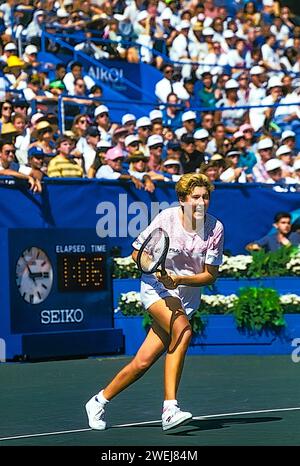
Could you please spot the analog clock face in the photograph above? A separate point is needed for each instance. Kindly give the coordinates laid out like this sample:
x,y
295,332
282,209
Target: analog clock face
x,y
34,275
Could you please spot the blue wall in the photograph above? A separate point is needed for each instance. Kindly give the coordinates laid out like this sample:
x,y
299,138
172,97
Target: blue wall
x,y
246,211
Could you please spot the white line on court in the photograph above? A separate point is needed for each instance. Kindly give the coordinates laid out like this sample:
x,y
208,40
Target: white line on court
x,y
239,413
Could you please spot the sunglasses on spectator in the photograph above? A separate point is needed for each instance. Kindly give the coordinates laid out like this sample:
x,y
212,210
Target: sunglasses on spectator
x,y
103,114
7,107
83,120
134,144
157,146
168,71
145,128
9,151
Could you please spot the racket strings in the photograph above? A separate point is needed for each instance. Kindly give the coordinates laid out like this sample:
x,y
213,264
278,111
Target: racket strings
x,y
153,251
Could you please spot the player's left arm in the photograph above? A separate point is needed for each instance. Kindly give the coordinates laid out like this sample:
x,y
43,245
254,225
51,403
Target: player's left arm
x,y
207,277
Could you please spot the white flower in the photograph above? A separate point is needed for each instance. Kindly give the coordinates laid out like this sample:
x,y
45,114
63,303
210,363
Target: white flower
x,y
235,263
290,299
294,263
219,300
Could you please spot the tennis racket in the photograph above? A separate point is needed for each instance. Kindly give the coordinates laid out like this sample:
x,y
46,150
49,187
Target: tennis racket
x,y
153,252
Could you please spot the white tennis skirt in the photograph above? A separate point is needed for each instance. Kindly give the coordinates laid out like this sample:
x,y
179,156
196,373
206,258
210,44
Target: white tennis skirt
x,y
152,291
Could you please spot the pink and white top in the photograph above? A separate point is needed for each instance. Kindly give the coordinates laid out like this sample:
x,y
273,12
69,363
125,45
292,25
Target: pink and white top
x,y
188,253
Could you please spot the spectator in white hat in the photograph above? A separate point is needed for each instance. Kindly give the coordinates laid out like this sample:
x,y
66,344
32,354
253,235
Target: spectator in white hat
x,y
188,119
257,93
30,55
228,41
201,139
284,154
99,160
144,127
165,28
274,170
129,121
105,127
142,28
9,49
172,169
179,51
155,144
156,116
289,138
281,117
232,118
264,153
132,143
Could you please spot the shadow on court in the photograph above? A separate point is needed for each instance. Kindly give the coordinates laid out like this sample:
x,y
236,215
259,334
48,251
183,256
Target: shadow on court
x,y
202,425
209,424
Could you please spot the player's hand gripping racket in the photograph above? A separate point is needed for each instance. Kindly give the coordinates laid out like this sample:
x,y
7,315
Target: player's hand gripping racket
x,y
153,252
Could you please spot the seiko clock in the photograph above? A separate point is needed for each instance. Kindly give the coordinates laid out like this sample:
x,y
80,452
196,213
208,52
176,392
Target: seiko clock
x,y
34,275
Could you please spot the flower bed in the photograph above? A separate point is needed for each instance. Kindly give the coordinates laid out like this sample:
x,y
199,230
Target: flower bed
x,y
253,322
282,263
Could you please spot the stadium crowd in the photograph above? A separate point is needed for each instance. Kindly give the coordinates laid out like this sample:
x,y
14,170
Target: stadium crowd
x,y
227,103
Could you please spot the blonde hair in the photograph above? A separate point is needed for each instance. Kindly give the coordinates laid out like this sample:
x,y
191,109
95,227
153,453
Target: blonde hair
x,y
189,181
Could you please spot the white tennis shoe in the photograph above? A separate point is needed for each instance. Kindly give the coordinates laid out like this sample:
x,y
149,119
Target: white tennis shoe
x,y
96,414
173,417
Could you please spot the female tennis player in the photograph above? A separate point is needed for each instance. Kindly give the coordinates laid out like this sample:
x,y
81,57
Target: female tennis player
x,y
194,255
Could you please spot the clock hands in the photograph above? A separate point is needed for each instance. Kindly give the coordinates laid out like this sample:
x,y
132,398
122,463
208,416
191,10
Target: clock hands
x,y
31,274
39,275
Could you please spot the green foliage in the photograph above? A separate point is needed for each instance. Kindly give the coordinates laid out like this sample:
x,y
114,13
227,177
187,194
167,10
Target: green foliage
x,y
283,262
147,320
254,308
270,264
125,267
130,304
199,321
258,308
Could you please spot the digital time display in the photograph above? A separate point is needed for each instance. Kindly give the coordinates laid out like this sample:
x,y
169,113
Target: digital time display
x,y
81,272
